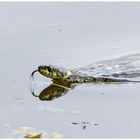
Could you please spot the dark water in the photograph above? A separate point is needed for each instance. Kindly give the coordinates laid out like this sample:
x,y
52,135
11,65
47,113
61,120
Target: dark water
x,y
69,35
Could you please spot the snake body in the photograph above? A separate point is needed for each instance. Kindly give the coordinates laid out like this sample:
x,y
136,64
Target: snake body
x,y
123,69
120,70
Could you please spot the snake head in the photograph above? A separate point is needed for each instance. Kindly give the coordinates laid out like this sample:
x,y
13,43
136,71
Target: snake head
x,y
54,72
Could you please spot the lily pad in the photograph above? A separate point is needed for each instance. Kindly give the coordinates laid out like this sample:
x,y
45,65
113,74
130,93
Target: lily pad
x,y
33,136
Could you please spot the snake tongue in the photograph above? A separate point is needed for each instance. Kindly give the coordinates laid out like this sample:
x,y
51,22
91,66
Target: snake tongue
x,y
32,74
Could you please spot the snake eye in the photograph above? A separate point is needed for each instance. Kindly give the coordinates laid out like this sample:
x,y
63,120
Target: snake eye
x,y
49,69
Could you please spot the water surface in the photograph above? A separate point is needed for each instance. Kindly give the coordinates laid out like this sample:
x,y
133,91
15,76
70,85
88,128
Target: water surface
x,y
69,35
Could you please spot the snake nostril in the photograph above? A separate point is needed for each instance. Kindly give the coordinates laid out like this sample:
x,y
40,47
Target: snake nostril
x,y
45,67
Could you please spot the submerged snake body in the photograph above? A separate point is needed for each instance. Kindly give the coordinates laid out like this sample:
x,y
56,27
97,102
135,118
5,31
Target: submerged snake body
x,y
83,78
123,69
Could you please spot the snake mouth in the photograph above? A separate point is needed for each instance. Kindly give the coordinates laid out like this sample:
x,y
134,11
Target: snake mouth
x,y
32,74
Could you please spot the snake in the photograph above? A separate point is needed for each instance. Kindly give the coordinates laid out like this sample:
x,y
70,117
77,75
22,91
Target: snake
x,y
122,69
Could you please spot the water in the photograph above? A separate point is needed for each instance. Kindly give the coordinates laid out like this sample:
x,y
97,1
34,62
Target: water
x,y
69,35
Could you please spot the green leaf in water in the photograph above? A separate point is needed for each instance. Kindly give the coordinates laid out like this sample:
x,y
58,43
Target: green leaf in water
x,y
34,136
25,128
56,135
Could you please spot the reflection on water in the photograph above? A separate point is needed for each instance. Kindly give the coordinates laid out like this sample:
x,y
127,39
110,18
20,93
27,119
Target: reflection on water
x,y
53,91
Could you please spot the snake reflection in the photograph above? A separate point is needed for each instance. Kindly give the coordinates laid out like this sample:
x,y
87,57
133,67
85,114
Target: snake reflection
x,y
53,91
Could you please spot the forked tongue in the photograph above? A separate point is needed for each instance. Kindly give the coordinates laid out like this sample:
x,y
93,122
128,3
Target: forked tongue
x,y
32,75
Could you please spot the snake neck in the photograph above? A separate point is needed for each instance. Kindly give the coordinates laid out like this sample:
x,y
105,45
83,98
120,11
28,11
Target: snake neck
x,y
82,78
79,78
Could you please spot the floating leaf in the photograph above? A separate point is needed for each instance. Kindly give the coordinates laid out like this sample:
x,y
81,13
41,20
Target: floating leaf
x,y
96,124
45,132
34,135
74,123
57,135
24,128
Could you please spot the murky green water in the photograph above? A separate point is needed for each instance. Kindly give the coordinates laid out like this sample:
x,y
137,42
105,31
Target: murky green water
x,y
69,35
